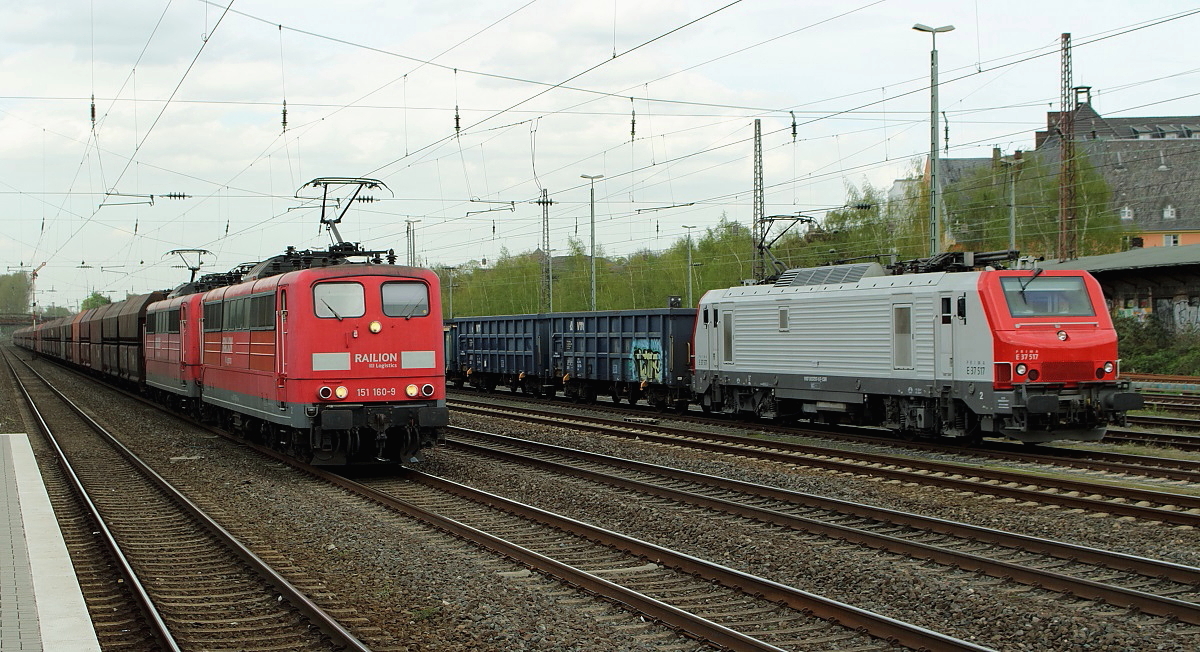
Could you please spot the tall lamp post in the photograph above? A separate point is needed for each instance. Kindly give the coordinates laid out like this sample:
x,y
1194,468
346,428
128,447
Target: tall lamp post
x,y
450,269
410,232
592,178
934,222
689,264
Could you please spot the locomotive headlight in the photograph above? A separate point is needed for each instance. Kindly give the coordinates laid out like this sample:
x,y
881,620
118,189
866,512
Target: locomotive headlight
x,y
375,327
341,392
1021,369
412,391
1109,367
1062,336
325,392
426,390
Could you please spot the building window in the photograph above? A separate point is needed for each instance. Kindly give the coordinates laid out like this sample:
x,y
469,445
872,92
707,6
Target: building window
x,y
1171,240
1126,213
1169,212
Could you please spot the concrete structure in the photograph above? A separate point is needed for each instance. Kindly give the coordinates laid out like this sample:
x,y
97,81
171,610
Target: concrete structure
x,y
41,605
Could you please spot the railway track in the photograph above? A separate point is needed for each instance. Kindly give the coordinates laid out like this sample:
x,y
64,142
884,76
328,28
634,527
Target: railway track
x,y
194,585
708,602
1117,499
1167,468
1150,586
1185,404
1177,424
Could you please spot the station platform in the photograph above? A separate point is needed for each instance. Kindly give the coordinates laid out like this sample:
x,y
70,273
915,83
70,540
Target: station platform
x,y
41,605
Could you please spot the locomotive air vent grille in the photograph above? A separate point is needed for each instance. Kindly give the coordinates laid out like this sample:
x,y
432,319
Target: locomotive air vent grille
x,y
828,275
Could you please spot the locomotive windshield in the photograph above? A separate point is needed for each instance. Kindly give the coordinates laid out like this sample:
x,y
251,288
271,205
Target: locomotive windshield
x,y
405,299
1047,296
338,300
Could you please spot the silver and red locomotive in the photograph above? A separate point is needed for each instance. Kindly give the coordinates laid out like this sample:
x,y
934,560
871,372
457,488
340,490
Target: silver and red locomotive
x,y
1025,354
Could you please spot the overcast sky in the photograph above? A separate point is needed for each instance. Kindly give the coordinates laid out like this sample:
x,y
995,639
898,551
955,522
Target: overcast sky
x,y
189,97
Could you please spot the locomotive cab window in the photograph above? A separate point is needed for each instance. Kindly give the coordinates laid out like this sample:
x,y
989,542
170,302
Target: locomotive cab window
x,y
1047,296
405,299
339,300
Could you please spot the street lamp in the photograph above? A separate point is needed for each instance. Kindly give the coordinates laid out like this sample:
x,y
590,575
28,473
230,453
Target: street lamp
x,y
450,269
689,264
934,222
1013,164
592,180
410,233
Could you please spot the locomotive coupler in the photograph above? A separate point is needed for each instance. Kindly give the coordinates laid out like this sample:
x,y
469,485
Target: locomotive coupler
x,y
380,422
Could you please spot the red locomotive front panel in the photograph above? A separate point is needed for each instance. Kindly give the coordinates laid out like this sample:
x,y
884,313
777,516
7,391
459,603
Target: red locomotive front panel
x,y
1051,327
365,339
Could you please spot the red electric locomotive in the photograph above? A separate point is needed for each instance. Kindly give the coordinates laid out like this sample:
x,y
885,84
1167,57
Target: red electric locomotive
x,y
338,364
333,357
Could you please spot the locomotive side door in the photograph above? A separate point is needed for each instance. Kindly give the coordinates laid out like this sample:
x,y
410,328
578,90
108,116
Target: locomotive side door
x,y
944,337
281,353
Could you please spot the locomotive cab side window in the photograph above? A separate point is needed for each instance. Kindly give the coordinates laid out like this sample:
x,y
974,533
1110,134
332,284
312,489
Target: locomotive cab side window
x,y
339,300
1047,296
405,299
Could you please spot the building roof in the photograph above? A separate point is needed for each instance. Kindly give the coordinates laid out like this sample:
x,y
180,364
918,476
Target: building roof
x,y
1133,259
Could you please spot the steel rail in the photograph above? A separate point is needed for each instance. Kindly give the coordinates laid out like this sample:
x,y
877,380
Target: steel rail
x,y
1116,595
1159,467
874,464
846,615
1182,442
301,602
1188,425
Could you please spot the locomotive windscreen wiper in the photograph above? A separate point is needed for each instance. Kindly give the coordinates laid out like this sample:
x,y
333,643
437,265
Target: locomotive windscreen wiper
x,y
335,313
1036,272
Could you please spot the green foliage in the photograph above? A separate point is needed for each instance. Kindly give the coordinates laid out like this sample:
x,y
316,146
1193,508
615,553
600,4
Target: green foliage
x,y
94,301
1151,347
723,255
977,208
53,312
15,293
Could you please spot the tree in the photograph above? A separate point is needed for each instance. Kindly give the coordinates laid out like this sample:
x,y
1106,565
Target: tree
x,y
15,293
54,312
977,207
94,301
